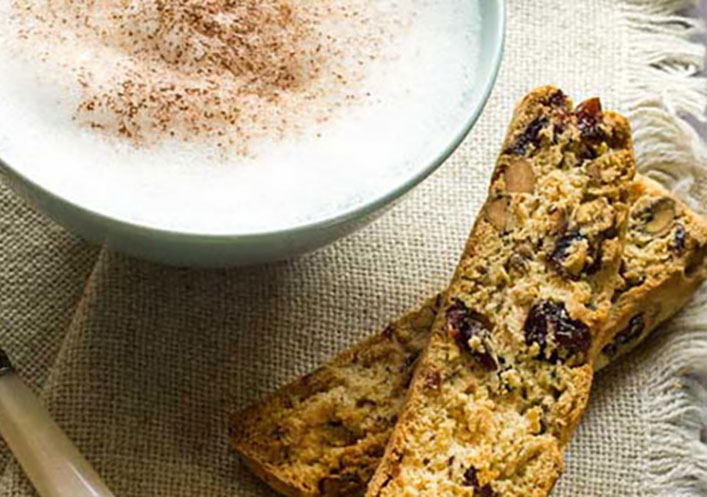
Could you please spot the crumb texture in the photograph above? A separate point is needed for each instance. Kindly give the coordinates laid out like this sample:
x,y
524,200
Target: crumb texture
x,y
663,262
658,271
662,266
507,373
325,433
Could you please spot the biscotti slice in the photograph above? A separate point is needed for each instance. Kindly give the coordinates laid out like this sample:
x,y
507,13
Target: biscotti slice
x,y
662,266
325,433
672,272
507,371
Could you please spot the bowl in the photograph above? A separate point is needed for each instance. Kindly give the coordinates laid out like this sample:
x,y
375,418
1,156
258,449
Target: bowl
x,y
218,249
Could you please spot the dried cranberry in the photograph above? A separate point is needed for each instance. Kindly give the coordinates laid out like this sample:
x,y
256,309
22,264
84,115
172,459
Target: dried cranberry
x,y
557,99
680,238
586,153
562,250
572,334
529,136
536,324
463,324
487,491
471,480
633,331
589,116
549,319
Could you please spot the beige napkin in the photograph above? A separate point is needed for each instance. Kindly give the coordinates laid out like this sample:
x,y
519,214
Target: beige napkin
x,y
144,370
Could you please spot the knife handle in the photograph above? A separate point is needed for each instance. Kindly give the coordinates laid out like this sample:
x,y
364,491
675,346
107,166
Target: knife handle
x,y
49,459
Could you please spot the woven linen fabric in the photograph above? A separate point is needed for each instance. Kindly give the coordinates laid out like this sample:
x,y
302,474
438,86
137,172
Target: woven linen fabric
x,y
43,270
145,370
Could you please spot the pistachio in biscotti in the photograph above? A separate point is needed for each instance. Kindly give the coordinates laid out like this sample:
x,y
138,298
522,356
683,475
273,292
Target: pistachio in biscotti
x,y
663,264
662,258
659,216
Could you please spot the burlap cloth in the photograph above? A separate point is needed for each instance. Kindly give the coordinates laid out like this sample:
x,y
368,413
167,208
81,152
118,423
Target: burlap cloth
x,y
142,364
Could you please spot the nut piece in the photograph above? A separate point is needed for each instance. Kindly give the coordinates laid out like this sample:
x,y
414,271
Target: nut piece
x,y
516,265
519,176
557,221
660,216
496,212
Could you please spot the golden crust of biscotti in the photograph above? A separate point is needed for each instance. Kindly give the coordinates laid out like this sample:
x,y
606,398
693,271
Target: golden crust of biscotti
x,y
662,266
324,434
506,375
669,283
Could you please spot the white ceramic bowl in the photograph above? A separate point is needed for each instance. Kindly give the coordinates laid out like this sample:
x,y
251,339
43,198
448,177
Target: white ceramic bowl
x,y
220,250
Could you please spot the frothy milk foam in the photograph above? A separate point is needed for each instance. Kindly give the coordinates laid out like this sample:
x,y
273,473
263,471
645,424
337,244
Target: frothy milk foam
x,y
348,143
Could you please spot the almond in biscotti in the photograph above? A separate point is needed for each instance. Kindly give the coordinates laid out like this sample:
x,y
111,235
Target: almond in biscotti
x,y
664,262
513,356
643,299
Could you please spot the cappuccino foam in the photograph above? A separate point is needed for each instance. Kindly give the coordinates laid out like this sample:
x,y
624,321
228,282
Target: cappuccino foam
x,y
229,116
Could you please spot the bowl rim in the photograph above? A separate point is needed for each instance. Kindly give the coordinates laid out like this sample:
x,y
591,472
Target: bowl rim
x,y
497,35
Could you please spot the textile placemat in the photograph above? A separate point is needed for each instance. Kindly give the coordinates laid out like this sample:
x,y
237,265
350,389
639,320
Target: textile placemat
x,y
142,365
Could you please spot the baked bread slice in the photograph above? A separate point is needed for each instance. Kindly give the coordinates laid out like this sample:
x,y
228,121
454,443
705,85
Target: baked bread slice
x,y
507,371
655,275
338,468
325,433
662,266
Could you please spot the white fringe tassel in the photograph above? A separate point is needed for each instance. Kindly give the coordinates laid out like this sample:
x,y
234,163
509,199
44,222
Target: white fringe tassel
x,y
666,93
664,86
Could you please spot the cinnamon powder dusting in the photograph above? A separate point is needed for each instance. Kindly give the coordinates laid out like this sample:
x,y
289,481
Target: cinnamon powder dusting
x,y
223,70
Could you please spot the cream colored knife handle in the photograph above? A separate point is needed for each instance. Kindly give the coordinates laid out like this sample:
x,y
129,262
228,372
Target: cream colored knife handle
x,y
51,461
